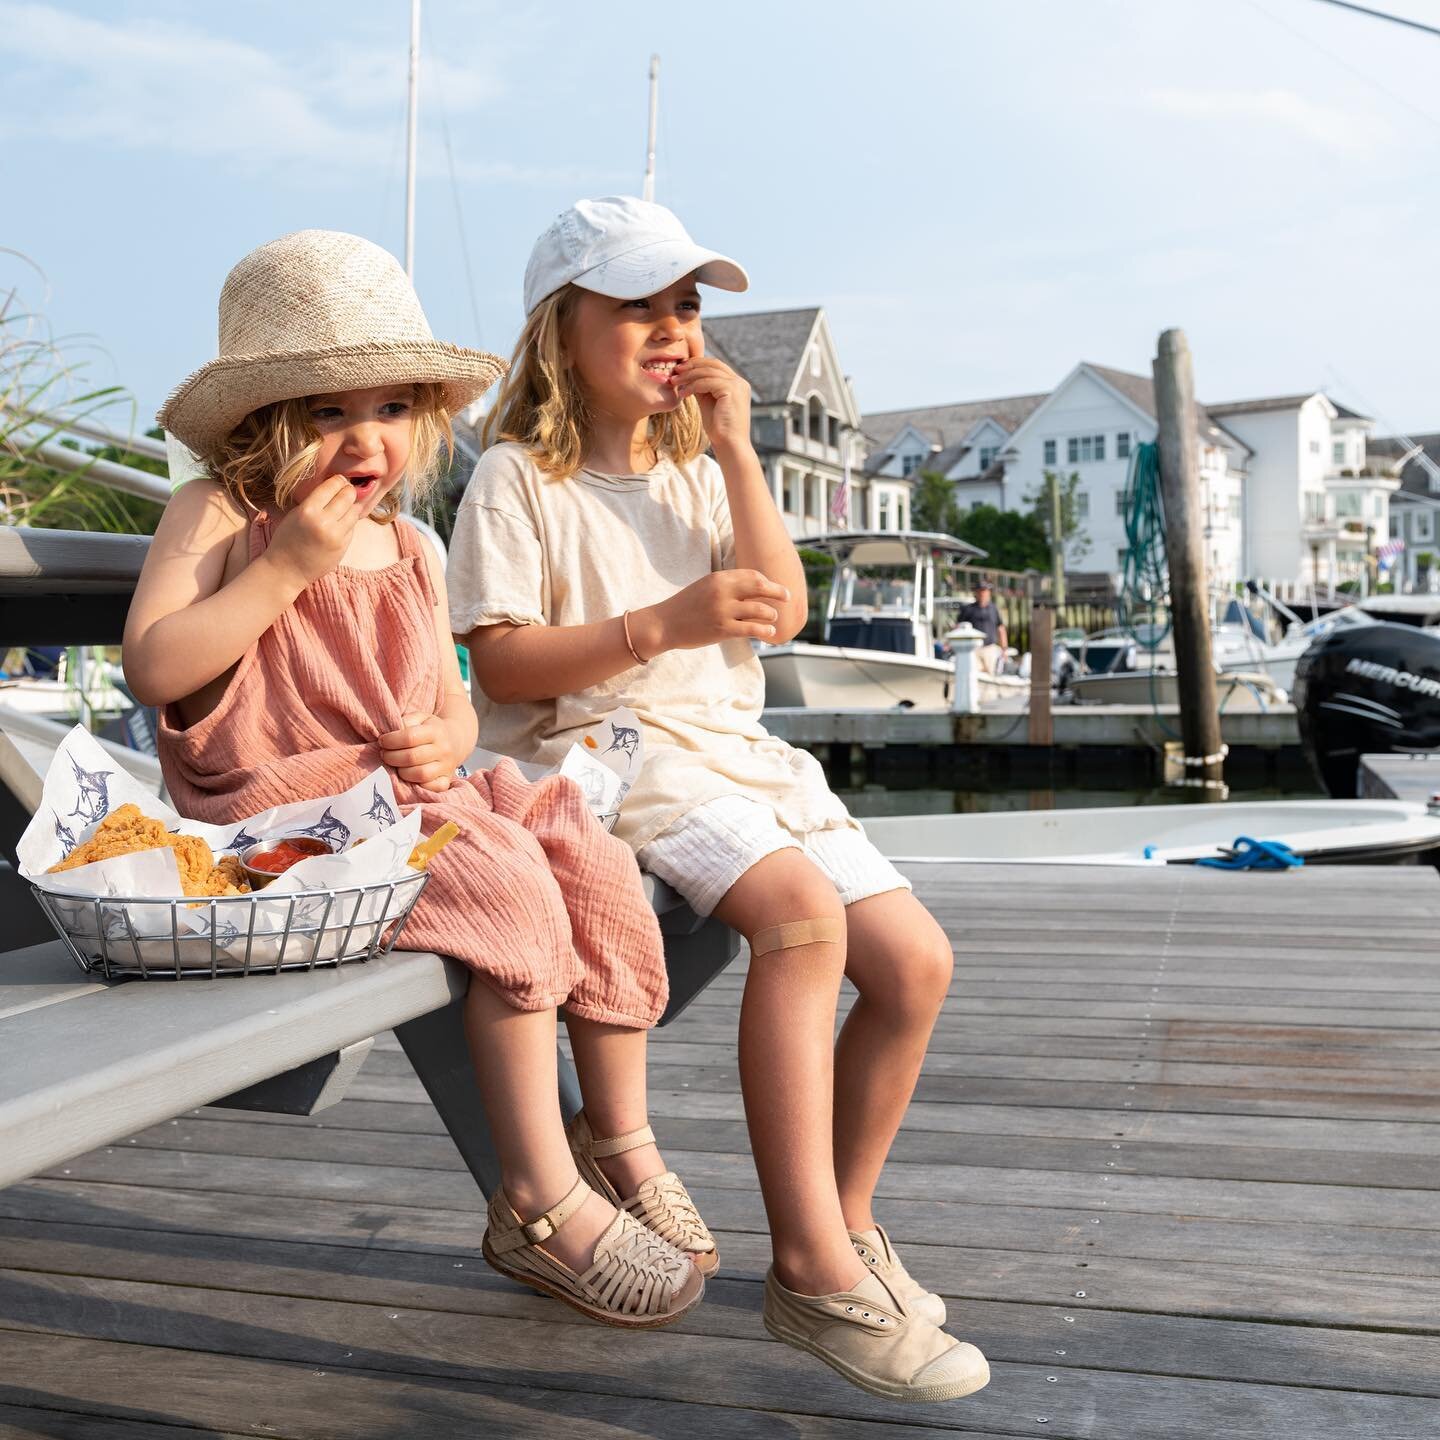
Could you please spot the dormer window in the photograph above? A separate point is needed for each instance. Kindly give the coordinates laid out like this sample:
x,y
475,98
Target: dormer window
x,y
910,463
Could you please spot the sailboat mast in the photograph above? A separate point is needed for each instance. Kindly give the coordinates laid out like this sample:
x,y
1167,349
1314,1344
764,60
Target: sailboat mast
x,y
412,115
648,189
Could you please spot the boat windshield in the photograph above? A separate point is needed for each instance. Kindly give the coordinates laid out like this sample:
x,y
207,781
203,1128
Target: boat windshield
x,y
875,593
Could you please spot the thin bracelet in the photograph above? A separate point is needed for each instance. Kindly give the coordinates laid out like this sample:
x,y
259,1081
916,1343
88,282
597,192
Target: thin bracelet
x,y
629,643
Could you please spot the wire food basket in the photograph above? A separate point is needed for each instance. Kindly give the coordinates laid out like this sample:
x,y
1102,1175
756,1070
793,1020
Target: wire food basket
x,y
139,937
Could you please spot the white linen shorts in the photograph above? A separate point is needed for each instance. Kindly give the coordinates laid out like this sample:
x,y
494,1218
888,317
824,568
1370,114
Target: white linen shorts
x,y
707,850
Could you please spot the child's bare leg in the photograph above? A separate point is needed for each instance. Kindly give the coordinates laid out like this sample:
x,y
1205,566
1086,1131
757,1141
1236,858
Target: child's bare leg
x,y
514,1056
787,1029
610,1061
900,961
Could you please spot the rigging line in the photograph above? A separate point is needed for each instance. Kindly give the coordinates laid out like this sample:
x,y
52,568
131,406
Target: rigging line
x,y
391,164
455,198
1343,63
1384,15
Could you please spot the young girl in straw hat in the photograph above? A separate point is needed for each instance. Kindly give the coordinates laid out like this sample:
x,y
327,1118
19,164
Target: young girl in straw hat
x,y
294,631
600,559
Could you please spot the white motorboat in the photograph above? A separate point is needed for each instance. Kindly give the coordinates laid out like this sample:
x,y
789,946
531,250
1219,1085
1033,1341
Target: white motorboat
x,y
1236,691
1253,673
879,632
60,699
1322,831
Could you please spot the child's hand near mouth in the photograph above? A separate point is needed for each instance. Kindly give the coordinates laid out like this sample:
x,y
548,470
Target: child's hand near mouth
x,y
311,540
724,400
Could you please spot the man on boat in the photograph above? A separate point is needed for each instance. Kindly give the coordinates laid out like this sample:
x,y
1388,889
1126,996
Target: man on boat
x,y
983,614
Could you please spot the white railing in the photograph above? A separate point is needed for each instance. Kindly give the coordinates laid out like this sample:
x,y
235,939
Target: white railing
x,y
110,473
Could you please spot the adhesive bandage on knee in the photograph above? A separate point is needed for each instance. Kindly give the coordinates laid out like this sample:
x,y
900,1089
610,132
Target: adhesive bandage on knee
x,y
796,933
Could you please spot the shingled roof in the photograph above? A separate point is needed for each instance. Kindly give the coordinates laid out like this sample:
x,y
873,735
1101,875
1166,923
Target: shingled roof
x,y
1140,390
1257,407
947,425
766,348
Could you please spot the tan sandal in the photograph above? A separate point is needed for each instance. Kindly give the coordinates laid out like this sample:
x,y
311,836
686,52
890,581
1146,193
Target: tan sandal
x,y
661,1204
637,1281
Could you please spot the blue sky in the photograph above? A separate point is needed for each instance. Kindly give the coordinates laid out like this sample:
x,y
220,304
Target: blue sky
x,y
980,192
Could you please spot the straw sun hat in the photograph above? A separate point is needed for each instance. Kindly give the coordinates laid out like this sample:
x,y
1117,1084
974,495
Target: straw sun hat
x,y
311,313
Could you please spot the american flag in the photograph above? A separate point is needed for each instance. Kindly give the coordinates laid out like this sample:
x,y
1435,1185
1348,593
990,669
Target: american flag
x,y
1386,554
840,500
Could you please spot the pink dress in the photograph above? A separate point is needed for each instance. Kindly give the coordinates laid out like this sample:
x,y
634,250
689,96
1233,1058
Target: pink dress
x,y
533,895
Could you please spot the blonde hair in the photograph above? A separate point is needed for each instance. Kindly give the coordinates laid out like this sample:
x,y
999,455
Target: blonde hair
x,y
541,406
272,451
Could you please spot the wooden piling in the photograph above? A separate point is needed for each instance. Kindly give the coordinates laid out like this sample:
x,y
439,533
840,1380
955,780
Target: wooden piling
x,y
1042,646
1185,549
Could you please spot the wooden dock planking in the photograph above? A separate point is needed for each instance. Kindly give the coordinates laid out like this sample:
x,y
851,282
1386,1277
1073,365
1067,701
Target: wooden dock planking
x,y
1209,1102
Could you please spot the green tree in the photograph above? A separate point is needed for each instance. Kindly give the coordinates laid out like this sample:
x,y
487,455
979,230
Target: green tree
x,y
933,507
1072,531
1011,540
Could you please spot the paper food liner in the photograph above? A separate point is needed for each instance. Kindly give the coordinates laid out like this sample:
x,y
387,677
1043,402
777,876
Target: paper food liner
x,y
603,763
287,923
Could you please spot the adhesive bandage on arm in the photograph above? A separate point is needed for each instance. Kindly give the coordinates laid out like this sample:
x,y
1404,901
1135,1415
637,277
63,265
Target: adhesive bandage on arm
x,y
796,933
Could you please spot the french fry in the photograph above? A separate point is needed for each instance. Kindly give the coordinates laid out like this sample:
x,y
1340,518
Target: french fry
x,y
430,847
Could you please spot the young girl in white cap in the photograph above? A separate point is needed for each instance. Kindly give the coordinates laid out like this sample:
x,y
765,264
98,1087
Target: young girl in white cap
x,y
295,632
599,559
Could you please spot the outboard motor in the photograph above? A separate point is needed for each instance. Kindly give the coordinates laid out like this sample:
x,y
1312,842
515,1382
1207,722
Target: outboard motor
x,y
1367,690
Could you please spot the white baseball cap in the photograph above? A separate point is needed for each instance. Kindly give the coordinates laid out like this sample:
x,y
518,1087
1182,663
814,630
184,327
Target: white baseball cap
x,y
622,247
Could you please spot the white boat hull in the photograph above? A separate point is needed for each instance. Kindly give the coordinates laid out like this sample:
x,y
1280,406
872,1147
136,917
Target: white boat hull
x,y
58,700
1320,830
1235,693
836,677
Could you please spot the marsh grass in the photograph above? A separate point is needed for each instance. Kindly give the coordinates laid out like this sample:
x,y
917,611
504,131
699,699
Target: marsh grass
x,y
42,389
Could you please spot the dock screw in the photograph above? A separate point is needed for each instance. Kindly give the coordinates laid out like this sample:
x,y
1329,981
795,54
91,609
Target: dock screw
x,y
1079,1294
1059,1352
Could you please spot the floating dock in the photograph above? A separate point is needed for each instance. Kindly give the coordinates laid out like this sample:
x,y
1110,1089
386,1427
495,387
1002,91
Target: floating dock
x,y
1126,742
1400,777
1174,1164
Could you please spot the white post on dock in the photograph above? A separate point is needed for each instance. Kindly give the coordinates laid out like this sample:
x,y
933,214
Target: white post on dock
x,y
965,642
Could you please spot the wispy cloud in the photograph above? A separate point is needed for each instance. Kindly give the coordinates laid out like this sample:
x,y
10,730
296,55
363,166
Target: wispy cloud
x,y
143,84
1345,132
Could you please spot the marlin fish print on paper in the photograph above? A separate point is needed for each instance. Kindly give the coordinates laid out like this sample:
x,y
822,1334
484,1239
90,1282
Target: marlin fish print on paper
x,y
335,833
92,793
381,811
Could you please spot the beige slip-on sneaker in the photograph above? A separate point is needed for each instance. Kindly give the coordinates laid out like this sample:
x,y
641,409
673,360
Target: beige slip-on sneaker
x,y
869,1337
875,1249
637,1281
661,1204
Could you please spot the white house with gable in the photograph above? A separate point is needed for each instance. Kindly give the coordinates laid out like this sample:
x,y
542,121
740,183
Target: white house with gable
x,y
1317,502
996,452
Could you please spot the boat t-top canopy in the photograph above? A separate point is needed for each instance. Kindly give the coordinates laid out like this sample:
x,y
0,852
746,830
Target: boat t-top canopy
x,y
1422,610
888,547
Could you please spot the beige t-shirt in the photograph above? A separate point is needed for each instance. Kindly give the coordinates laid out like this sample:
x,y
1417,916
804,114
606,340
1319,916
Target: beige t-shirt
x,y
532,550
